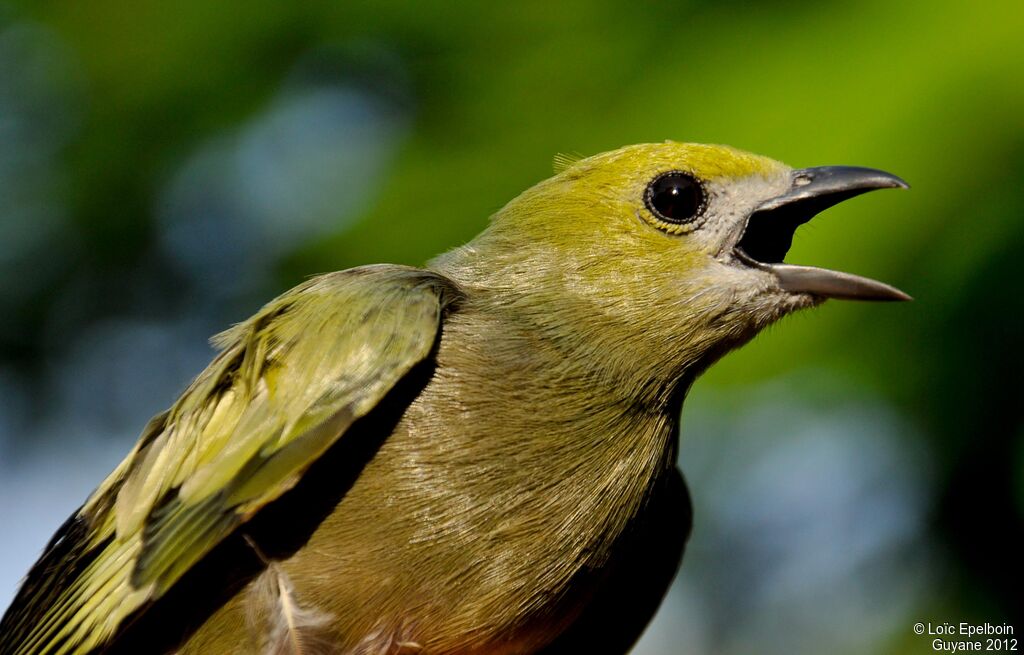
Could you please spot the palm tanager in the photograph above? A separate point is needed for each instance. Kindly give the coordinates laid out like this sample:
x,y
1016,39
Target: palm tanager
x,y
475,457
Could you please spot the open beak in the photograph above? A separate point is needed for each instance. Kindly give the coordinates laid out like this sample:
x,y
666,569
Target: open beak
x,y
769,231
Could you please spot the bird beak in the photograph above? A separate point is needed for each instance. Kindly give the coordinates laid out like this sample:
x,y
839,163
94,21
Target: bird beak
x,y
768,233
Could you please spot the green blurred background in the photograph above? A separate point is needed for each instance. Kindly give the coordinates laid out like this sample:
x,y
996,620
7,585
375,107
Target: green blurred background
x,y
166,167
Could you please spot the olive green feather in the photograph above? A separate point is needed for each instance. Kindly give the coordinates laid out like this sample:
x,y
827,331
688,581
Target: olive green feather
x,y
286,385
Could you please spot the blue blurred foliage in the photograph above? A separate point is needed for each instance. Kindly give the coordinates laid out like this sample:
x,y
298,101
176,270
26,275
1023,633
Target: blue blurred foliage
x,y
167,167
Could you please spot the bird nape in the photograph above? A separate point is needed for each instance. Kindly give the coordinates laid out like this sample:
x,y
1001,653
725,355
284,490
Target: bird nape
x,y
474,457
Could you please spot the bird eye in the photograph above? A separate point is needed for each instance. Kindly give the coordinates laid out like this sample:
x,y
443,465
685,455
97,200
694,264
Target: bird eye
x,y
675,197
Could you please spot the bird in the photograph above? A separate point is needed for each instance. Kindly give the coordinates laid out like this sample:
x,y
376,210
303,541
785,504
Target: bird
x,y
476,456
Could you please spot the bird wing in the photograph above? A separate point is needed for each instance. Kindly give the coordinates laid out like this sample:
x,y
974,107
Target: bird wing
x,y
286,385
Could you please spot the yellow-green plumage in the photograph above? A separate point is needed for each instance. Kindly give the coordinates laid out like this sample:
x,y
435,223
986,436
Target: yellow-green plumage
x,y
475,458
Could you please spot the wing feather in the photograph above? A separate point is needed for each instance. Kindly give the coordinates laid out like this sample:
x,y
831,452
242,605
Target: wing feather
x,y
286,385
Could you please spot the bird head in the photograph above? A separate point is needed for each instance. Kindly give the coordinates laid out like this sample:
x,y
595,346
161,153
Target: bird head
x,y
667,254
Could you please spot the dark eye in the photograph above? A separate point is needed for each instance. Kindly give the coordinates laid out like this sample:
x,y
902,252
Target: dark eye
x,y
675,197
